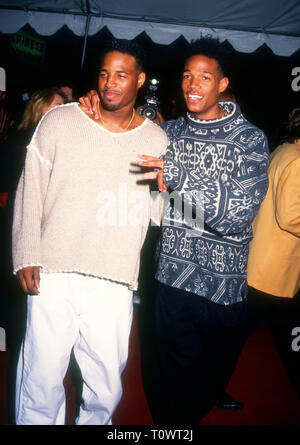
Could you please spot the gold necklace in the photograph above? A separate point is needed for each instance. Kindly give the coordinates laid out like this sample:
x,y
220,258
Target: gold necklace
x,y
127,126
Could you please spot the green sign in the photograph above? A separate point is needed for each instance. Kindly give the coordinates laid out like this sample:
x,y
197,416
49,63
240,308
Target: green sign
x,y
26,43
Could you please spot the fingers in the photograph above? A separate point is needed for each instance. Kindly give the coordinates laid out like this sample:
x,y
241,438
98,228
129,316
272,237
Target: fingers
x,y
159,177
160,182
36,277
155,164
150,175
22,281
95,105
29,279
85,104
151,161
150,158
89,103
158,165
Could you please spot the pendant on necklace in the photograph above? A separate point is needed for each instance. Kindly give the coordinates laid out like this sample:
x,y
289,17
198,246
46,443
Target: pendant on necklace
x,y
115,140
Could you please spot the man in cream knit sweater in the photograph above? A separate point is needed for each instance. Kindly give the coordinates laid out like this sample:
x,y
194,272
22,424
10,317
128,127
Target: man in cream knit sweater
x,y
80,220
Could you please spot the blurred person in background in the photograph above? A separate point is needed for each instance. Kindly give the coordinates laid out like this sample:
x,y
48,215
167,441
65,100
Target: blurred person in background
x,y
6,118
13,151
68,90
274,256
12,158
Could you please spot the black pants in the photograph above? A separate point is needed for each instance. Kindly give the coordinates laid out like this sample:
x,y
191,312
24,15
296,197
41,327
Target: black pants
x,y
281,315
196,347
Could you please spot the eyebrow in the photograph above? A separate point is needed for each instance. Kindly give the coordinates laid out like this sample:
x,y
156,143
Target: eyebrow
x,y
206,72
117,71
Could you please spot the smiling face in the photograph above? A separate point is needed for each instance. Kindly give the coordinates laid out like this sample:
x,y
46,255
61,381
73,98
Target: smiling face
x,y
119,81
202,84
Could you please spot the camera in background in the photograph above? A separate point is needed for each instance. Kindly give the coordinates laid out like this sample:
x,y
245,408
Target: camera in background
x,y
149,110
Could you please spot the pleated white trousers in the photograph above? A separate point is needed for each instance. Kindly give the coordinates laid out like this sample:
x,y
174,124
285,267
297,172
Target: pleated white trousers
x,y
91,315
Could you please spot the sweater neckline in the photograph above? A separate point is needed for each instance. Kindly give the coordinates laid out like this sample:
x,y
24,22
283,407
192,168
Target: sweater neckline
x,y
114,135
231,109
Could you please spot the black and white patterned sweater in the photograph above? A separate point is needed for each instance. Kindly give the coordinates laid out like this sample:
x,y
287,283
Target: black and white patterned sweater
x,y
220,167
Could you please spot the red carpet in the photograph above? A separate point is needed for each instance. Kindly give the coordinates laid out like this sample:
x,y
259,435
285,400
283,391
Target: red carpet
x,y
259,380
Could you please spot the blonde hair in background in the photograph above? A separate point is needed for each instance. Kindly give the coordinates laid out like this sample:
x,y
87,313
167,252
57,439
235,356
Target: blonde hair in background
x,y
34,110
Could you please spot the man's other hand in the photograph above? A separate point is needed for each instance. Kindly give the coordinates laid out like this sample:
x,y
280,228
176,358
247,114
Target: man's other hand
x,y
29,279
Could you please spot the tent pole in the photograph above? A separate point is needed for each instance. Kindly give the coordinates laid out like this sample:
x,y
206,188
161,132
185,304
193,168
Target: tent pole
x,y
88,19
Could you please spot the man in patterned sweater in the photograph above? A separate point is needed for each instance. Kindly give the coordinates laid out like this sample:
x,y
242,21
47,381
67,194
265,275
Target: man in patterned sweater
x,y
216,162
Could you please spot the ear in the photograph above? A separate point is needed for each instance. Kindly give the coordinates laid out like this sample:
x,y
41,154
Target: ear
x,y
141,79
223,84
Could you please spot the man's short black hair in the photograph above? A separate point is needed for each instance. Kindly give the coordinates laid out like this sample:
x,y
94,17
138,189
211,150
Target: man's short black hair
x,y
209,47
127,47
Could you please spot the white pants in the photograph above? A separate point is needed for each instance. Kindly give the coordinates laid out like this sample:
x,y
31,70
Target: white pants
x,y
94,317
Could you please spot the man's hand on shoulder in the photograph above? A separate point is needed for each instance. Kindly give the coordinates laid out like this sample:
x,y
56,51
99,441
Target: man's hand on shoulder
x,y
89,104
29,279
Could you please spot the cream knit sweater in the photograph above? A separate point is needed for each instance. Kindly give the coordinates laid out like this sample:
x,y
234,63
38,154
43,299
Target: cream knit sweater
x,y
79,206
